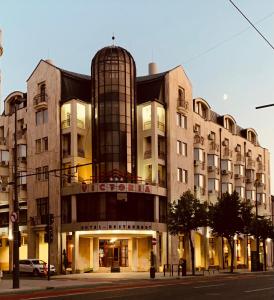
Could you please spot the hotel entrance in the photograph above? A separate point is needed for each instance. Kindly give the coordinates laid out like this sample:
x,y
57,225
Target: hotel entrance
x,y
113,252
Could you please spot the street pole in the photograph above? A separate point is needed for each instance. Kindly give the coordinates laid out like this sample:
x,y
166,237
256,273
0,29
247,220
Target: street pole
x,y
257,238
48,229
15,263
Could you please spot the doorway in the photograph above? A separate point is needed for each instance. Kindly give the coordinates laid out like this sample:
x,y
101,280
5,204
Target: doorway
x,y
113,252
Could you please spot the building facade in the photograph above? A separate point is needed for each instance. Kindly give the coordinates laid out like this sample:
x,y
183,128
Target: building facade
x,y
122,147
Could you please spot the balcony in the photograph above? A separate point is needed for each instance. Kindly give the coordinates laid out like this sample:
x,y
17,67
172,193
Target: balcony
x,y
66,123
227,152
66,153
198,139
161,126
199,165
147,125
213,170
80,124
261,168
40,101
213,147
21,134
250,164
240,158
182,105
4,163
162,155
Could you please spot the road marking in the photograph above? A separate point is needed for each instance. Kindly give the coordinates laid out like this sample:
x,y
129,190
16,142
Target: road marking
x,y
206,286
258,290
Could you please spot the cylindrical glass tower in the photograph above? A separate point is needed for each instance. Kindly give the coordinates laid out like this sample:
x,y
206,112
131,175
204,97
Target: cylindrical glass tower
x,y
114,138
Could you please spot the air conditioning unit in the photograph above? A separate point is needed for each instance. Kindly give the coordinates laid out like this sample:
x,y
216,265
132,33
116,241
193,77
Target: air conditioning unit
x,y
224,172
248,154
3,189
248,180
225,143
259,158
237,176
4,163
211,137
195,129
210,168
238,148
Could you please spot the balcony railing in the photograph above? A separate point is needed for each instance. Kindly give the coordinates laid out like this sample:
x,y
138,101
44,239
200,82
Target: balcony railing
x,y
38,220
261,167
182,104
240,157
250,164
66,123
227,152
214,146
80,124
161,126
198,139
40,99
21,134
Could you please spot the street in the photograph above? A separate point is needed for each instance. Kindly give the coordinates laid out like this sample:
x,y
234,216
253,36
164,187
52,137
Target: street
x,y
237,286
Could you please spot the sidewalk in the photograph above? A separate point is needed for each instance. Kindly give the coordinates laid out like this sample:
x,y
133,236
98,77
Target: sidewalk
x,y
95,279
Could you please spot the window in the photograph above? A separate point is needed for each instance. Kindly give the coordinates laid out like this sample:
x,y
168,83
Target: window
x,y
41,117
198,154
179,147
81,115
42,208
42,173
66,115
161,118
213,160
38,146
227,187
226,165
45,145
181,120
250,195
213,185
261,197
199,180
241,191
179,174
182,175
4,156
146,113
22,150
239,170
197,129
22,178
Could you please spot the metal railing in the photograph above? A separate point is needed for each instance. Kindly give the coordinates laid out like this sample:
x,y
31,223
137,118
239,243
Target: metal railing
x,y
40,98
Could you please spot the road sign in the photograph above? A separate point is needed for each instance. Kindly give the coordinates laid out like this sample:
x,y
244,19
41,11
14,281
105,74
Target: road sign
x,y
154,241
13,217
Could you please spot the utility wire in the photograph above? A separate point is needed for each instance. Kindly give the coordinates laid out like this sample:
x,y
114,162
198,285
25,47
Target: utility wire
x,y
251,24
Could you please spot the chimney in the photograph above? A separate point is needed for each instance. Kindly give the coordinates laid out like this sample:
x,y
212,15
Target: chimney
x,y
152,68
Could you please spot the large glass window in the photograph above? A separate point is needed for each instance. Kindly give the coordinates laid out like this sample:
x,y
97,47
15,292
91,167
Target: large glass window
x,y
198,154
241,191
213,160
239,170
226,165
161,118
146,114
4,156
81,115
213,185
181,120
41,116
251,195
66,115
227,187
199,180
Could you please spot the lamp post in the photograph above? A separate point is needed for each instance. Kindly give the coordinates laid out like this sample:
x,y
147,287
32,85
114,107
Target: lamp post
x,y
256,217
15,227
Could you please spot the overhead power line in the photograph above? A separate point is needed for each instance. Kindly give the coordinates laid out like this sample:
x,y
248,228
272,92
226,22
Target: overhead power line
x,y
266,40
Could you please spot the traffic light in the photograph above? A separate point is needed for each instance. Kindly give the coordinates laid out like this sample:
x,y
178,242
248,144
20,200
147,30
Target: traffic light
x,y
51,219
19,238
48,237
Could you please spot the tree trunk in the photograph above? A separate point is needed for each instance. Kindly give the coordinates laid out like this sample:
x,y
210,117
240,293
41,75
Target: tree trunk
x,y
192,254
264,254
232,248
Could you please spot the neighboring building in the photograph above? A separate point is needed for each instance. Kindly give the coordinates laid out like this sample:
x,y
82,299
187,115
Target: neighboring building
x,y
143,141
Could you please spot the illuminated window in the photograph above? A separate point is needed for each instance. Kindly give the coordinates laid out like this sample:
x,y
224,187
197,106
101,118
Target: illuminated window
x,y
81,115
161,118
66,115
146,114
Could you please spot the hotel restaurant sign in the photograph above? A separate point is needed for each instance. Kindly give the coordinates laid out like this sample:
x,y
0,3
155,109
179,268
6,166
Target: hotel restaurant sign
x,y
116,187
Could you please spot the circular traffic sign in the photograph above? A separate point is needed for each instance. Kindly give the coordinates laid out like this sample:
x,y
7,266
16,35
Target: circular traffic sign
x,y
13,217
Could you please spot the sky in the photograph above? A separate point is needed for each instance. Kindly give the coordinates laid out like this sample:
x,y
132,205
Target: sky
x,y
226,60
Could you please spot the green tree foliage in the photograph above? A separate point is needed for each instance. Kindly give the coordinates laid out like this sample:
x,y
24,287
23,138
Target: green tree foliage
x,y
185,215
262,228
229,217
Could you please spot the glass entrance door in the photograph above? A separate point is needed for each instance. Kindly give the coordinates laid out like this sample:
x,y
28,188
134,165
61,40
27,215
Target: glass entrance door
x,y
113,252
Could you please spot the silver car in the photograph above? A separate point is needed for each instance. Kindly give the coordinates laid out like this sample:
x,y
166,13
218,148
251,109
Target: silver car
x,y
35,266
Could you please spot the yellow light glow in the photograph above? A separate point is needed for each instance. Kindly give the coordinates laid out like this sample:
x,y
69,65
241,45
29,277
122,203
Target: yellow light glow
x,y
113,240
117,231
10,236
268,240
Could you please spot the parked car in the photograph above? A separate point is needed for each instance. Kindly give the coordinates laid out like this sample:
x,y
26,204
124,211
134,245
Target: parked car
x,y
35,266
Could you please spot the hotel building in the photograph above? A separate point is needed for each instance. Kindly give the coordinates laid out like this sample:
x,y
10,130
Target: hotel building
x,y
126,146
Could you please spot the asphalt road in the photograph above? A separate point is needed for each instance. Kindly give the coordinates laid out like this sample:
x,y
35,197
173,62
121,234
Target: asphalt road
x,y
234,287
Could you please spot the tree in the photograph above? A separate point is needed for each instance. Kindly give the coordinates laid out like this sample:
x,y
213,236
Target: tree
x,y
262,228
185,215
229,217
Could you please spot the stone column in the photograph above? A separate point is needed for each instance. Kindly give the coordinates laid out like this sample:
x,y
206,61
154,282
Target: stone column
x,y
134,254
95,254
75,251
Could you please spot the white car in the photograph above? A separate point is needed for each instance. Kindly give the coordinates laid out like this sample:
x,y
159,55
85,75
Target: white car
x,y
35,266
